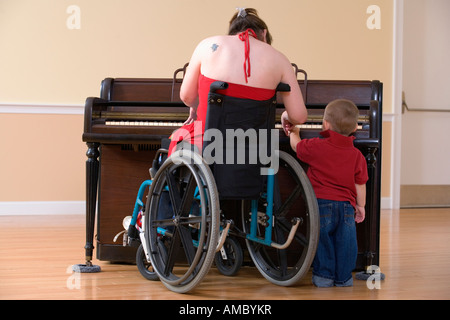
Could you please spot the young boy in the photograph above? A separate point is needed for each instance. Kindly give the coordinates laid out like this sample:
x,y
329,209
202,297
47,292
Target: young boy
x,y
338,174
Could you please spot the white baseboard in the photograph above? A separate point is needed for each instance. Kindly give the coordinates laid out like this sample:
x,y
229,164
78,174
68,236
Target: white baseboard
x,y
386,203
41,108
42,207
75,207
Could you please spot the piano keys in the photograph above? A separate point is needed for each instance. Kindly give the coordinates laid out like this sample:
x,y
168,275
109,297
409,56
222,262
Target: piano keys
x,y
178,124
133,118
123,130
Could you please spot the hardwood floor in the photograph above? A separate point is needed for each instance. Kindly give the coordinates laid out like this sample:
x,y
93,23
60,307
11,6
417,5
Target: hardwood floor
x,y
37,252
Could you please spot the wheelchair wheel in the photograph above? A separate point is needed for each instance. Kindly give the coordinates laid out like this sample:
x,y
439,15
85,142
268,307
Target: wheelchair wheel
x,y
295,198
144,266
230,257
183,208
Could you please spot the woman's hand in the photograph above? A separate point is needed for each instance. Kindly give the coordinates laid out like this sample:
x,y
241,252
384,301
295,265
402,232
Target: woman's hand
x,y
192,116
285,123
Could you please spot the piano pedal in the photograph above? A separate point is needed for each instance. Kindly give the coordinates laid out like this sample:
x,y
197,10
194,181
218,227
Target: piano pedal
x,y
124,238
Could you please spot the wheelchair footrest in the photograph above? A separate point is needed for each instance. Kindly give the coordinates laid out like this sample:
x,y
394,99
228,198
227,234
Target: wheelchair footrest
x,y
224,235
295,224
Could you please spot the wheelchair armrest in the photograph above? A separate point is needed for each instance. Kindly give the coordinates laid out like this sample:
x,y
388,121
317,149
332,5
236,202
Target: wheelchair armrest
x,y
218,85
158,161
283,87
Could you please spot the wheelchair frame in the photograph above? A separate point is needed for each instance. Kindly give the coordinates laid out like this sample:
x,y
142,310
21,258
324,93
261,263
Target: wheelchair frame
x,y
182,211
258,228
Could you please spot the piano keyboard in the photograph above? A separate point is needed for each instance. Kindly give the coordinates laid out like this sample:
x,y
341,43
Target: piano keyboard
x,y
302,126
175,124
179,124
308,126
144,123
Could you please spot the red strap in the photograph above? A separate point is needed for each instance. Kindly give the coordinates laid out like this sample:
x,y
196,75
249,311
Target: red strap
x,y
244,36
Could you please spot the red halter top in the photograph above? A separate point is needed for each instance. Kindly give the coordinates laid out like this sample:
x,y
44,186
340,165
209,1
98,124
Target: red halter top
x,y
193,132
244,36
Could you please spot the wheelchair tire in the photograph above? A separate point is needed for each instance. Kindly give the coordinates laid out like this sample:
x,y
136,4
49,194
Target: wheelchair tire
x,y
234,257
191,227
144,266
285,267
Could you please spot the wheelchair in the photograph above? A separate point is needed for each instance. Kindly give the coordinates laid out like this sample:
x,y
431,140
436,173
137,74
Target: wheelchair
x,y
199,209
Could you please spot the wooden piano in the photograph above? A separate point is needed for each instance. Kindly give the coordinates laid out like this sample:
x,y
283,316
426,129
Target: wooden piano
x,y
124,127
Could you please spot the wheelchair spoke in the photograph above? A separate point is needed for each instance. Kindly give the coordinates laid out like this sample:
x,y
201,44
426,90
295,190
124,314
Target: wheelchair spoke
x,y
188,197
286,206
172,253
174,192
281,254
188,245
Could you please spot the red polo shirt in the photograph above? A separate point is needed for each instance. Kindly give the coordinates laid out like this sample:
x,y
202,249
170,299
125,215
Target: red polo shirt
x,y
335,166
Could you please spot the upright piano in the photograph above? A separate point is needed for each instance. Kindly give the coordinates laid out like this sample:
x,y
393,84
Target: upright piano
x,y
123,129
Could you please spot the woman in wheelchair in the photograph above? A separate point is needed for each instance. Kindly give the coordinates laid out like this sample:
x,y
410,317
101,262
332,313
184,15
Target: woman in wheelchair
x,y
186,225
249,64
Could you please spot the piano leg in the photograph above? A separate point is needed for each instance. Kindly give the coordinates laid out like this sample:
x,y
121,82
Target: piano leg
x,y
91,197
372,271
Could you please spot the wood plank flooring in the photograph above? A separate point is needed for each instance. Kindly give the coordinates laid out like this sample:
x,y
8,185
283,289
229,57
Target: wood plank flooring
x,y
37,252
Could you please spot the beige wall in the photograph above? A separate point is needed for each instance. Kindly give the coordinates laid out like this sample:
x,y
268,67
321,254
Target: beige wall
x,y
42,62
42,157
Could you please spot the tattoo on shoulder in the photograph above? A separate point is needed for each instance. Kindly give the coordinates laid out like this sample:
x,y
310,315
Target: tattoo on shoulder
x,y
214,47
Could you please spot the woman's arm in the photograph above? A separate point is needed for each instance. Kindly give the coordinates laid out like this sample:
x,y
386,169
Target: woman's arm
x,y
189,87
296,112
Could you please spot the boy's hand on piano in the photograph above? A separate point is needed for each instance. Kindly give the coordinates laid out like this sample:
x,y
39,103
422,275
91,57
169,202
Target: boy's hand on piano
x,y
294,130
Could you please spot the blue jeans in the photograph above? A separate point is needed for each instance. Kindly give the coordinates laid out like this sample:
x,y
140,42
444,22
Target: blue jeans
x,y
337,249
